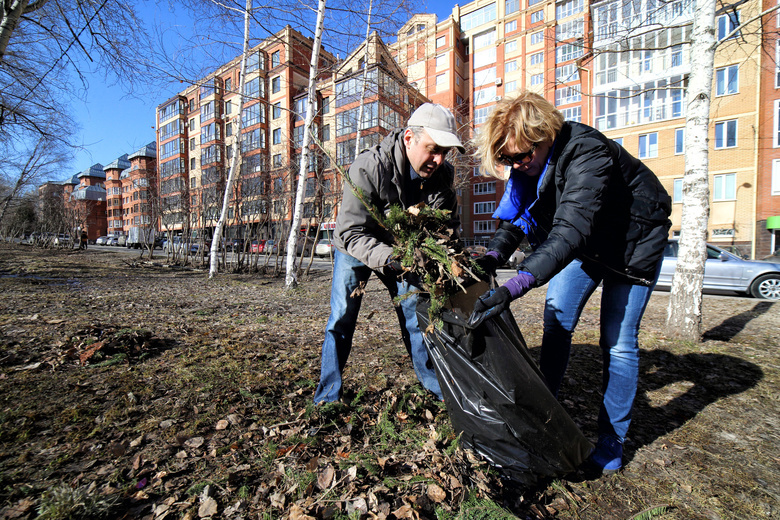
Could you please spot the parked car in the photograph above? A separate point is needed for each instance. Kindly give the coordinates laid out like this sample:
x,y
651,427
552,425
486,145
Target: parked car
x,y
476,251
61,240
324,247
514,260
121,240
271,247
234,244
724,271
101,241
176,244
257,246
111,241
774,257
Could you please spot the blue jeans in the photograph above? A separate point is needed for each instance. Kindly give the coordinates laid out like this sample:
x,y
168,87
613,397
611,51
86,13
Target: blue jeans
x,y
622,307
348,273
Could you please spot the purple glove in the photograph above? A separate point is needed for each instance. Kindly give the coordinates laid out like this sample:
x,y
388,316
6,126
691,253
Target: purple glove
x,y
520,284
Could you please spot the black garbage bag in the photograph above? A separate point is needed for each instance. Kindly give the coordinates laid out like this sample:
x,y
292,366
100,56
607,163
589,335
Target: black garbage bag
x,y
497,399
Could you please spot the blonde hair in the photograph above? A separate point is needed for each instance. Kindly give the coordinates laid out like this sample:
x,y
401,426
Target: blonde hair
x,y
527,119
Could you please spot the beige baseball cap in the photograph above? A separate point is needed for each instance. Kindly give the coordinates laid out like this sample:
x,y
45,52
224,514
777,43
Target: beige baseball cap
x,y
439,123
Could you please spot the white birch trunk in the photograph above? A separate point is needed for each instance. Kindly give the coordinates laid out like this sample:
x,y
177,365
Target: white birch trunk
x,y
217,238
685,302
292,241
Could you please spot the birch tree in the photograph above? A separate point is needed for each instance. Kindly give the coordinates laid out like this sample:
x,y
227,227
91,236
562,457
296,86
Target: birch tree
x,y
684,313
290,277
234,162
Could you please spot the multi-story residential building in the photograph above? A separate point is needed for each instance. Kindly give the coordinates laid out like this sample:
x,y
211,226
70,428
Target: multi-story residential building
x,y
115,205
197,139
85,209
198,136
640,67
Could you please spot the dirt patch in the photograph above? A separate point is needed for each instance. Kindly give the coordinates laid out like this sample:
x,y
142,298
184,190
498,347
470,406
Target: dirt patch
x,y
151,392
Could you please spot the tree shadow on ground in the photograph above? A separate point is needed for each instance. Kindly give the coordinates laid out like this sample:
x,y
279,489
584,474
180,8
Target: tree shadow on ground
x,y
673,389
733,325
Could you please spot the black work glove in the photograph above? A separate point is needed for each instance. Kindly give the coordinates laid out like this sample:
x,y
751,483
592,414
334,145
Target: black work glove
x,y
393,268
488,264
492,303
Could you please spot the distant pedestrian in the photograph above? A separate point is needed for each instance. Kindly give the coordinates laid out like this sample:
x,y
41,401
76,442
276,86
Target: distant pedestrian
x,y
84,240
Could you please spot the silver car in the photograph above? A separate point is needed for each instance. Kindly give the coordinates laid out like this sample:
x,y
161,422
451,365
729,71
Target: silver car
x,y
724,271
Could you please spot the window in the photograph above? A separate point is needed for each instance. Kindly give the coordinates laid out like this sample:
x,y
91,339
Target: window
x,y
476,18
568,8
484,226
726,134
537,37
568,51
510,26
775,177
572,114
441,60
677,56
724,187
253,62
510,6
726,80
677,191
537,16
481,114
441,41
485,95
727,23
484,188
566,95
510,86
510,66
277,160
484,207
537,58
679,140
276,84
275,60
537,79
326,105
648,145
777,62
441,79
276,136
567,73
618,140
510,47
277,110
326,133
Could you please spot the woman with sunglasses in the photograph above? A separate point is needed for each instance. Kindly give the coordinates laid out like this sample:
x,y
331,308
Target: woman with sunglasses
x,y
593,214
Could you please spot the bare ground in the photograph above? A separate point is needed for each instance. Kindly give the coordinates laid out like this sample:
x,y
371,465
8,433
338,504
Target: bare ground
x,y
148,391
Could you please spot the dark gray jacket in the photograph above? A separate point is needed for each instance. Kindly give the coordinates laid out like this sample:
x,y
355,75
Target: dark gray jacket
x,y
596,203
380,172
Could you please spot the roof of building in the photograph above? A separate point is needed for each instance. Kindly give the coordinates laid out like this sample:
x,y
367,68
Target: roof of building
x,y
96,170
89,193
125,173
150,150
120,163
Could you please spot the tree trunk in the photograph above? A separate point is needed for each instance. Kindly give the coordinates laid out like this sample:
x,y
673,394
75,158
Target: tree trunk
x,y
684,319
290,278
216,239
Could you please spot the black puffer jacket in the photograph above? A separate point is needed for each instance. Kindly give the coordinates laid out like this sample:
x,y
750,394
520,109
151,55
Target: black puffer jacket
x,y
596,203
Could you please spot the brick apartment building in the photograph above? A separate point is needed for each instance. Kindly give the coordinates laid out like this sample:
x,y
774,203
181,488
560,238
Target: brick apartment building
x,y
619,66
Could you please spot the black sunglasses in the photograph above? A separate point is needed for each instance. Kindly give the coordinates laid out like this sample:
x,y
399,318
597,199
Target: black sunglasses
x,y
518,158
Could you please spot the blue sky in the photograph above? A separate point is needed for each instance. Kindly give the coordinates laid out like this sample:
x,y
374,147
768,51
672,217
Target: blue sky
x,y
113,123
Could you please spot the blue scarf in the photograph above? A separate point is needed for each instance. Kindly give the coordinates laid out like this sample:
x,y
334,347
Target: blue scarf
x,y
520,195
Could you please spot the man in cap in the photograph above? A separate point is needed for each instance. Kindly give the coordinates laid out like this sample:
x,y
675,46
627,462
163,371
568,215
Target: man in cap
x,y
406,168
